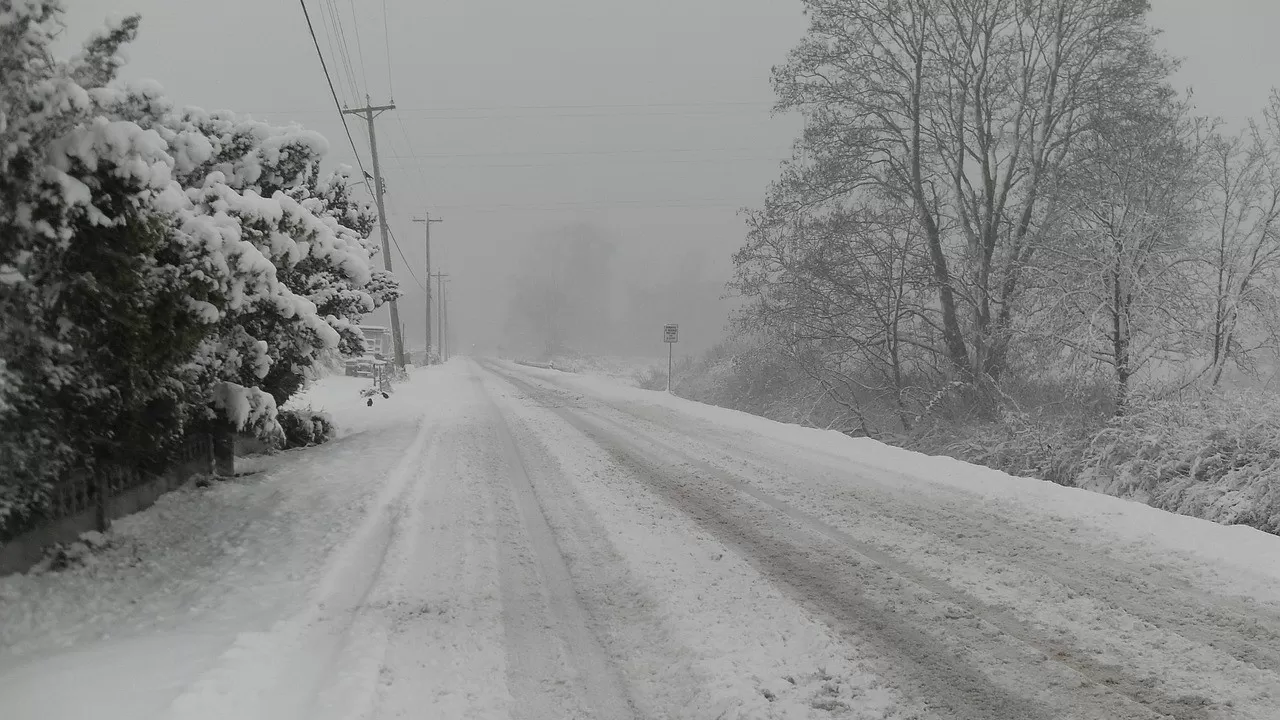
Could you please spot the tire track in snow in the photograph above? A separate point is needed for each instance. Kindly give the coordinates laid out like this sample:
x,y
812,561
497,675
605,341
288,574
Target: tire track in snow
x,y
672,603
1041,677
281,673
1245,630
442,609
547,629
348,687
1153,627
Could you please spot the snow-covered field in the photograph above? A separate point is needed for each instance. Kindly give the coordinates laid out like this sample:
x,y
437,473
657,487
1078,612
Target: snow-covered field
x,y
501,542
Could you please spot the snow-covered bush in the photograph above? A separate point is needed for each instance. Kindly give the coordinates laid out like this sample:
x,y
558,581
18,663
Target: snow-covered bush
x,y
1216,457
309,229
303,428
1036,444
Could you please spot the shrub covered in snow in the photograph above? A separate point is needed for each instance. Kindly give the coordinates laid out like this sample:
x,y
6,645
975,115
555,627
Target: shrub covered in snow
x,y
1035,444
304,427
310,231
74,554
1216,457
747,374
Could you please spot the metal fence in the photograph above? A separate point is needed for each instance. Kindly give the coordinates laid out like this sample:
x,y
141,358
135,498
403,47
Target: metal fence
x,y
82,491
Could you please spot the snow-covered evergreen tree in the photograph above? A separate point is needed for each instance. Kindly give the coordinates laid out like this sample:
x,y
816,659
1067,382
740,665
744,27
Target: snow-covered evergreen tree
x,y
159,270
337,299
313,232
96,321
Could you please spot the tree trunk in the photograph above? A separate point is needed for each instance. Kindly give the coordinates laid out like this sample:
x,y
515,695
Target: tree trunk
x,y
1120,345
951,334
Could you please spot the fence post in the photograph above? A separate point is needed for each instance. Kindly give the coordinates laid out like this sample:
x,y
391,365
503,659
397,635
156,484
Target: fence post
x,y
206,445
103,487
224,450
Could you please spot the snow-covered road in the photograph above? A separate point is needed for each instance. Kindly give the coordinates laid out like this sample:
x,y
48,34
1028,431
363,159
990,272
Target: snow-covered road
x,y
505,542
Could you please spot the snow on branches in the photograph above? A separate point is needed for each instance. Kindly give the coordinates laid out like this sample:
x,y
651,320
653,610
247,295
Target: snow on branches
x,y
159,269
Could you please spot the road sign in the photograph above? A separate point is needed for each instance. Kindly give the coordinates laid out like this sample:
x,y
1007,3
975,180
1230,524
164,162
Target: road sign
x,y
670,335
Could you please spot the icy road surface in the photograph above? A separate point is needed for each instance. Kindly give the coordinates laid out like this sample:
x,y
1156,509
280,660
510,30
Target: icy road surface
x,y
504,542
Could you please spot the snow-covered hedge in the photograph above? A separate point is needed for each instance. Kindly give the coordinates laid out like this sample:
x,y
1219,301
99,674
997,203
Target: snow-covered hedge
x,y
161,270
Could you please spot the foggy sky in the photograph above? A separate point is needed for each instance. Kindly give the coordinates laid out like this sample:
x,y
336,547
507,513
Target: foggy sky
x,y
649,120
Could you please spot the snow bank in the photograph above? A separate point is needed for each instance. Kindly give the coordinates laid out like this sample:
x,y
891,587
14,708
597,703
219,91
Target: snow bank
x,y
179,583
619,369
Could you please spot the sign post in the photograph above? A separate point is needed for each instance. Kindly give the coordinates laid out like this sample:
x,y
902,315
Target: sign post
x,y
671,336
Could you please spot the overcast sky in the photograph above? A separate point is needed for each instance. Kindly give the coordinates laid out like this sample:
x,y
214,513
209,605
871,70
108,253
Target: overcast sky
x,y
649,120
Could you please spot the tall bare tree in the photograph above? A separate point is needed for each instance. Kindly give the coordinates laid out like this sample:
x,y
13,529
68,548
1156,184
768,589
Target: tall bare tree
x,y
1242,248
848,295
966,111
1122,263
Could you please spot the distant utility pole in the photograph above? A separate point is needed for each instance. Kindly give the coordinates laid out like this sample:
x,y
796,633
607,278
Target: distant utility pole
x,y
368,113
440,313
445,333
426,221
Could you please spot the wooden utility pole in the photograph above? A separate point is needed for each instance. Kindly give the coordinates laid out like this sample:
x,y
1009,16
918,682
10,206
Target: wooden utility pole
x,y
440,279
426,221
369,112
444,329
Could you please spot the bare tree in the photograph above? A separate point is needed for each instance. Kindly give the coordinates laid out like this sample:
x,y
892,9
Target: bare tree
x,y
965,111
847,294
1122,263
1242,252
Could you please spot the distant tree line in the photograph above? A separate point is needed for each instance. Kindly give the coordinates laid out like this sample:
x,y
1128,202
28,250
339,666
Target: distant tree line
x,y
575,292
161,270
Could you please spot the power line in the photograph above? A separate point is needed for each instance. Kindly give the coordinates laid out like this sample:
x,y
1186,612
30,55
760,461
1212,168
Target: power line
x,y
344,55
630,106
329,35
386,35
412,155
436,115
407,266
542,153
675,203
601,106
634,161
399,119
311,28
355,26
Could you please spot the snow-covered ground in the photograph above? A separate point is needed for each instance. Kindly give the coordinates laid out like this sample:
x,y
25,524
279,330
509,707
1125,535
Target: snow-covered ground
x,y
181,580
623,370
501,542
